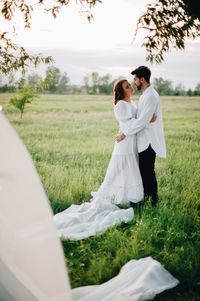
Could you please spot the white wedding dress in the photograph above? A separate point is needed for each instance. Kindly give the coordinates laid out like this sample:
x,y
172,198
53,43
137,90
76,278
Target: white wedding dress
x,y
32,266
122,184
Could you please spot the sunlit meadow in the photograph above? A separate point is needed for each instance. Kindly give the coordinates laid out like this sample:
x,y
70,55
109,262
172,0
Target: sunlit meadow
x,y
70,139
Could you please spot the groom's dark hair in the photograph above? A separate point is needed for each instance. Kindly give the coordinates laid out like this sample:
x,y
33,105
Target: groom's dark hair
x,y
142,71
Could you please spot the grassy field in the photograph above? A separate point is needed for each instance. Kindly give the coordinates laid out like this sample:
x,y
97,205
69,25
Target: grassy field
x,y
71,138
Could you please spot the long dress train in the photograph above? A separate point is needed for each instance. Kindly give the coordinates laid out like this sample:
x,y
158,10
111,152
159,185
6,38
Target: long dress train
x,y
138,280
122,184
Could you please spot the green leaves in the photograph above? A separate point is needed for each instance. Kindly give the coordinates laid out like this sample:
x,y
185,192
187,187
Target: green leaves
x,y
168,23
24,95
14,57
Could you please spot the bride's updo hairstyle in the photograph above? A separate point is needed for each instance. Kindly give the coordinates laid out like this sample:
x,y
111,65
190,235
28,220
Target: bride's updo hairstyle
x,y
118,90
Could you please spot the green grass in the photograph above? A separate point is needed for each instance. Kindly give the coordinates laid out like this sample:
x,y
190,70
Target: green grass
x,y
71,138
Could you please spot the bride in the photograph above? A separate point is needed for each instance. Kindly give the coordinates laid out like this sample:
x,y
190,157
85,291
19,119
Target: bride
x,y
122,183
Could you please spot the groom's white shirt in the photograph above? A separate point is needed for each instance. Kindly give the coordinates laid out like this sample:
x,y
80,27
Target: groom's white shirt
x,y
148,133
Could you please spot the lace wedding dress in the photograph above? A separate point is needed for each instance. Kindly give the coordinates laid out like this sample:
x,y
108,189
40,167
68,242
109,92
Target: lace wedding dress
x,y
32,266
122,184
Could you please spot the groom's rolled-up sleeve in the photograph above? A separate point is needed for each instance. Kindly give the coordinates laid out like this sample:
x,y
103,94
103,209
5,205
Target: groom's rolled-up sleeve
x,y
136,125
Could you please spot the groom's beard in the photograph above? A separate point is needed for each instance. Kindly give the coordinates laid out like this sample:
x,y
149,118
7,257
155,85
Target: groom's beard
x,y
139,86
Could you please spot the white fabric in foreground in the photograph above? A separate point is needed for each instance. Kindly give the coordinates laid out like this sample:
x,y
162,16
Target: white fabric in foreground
x,y
138,280
31,259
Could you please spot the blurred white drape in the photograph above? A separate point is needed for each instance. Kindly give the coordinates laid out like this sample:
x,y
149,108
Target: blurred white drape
x,y
31,258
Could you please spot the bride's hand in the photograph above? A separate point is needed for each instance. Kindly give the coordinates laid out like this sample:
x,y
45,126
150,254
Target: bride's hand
x,y
120,137
153,118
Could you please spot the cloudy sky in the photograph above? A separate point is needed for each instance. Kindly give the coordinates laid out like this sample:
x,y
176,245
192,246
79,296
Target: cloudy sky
x,y
105,45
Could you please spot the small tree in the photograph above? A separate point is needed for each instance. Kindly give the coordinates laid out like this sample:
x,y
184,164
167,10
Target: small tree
x,y
25,94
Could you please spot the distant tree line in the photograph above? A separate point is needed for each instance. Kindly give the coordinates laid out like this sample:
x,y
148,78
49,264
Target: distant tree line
x,y
165,87
56,82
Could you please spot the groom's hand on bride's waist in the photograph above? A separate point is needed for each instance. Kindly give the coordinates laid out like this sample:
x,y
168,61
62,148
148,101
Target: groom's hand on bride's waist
x,y
120,137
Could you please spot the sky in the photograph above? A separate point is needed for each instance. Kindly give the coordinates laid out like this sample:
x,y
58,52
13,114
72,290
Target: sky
x,y
105,45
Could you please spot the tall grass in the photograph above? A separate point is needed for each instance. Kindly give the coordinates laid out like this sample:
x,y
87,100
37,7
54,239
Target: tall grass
x,y
71,138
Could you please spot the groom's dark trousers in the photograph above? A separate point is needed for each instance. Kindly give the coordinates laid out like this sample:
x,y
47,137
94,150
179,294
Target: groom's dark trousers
x,y
147,165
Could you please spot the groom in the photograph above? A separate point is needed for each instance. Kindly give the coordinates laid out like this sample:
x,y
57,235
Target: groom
x,y
150,136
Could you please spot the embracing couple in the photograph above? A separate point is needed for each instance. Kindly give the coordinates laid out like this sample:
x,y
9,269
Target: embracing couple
x,y
140,139
144,127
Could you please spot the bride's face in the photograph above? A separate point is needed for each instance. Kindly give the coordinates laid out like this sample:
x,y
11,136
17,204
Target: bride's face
x,y
127,88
